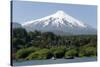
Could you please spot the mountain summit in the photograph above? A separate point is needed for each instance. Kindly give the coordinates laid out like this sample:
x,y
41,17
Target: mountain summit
x,y
59,23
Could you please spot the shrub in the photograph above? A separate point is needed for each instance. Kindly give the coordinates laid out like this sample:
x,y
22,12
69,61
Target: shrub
x,y
58,52
81,54
23,53
40,54
70,53
88,51
91,51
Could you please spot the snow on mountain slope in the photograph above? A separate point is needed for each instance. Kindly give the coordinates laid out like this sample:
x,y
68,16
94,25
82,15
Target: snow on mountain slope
x,y
59,21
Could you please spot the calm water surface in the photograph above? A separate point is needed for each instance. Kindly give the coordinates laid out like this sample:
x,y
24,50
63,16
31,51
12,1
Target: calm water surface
x,y
51,61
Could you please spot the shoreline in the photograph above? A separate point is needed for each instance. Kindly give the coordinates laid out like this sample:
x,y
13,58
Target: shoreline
x,y
52,61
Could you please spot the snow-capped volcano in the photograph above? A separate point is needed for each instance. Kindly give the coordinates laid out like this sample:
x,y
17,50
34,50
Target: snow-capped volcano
x,y
59,23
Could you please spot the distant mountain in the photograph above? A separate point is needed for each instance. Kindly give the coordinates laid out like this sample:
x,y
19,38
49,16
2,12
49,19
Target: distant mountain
x,y
16,25
59,23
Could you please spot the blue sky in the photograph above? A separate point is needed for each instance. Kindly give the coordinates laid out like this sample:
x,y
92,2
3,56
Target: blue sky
x,y
25,11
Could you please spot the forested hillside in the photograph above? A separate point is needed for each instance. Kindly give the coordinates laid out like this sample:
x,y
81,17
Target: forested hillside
x,y
39,45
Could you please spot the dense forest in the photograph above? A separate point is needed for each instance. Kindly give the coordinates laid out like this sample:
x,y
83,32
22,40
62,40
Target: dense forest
x,y
45,45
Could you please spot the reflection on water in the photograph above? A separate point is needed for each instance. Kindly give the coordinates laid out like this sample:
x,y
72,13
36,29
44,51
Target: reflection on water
x,y
51,61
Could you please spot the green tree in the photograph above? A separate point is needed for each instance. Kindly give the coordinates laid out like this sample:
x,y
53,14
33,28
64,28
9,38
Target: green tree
x,y
40,54
70,53
23,53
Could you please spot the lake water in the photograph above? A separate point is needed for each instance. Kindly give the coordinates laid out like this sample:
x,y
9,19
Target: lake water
x,y
51,61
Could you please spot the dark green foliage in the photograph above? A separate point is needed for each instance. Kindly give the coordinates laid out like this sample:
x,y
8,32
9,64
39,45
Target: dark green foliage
x,y
19,38
19,32
88,51
58,52
23,53
71,53
18,43
44,45
40,54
